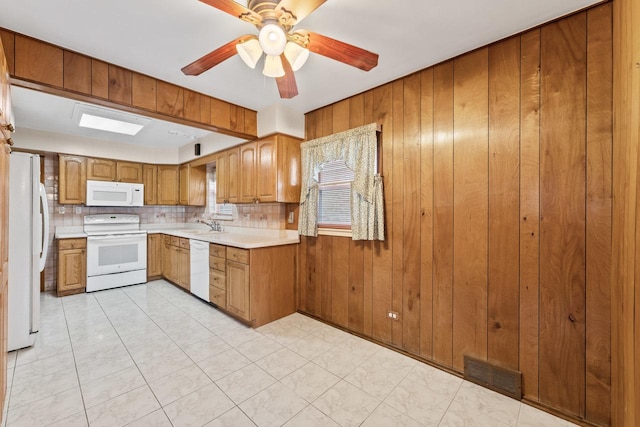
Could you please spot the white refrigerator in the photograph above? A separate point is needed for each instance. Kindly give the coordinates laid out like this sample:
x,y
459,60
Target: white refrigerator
x,y
28,238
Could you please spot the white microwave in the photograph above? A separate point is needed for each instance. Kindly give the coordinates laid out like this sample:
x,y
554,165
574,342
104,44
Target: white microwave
x,y
107,193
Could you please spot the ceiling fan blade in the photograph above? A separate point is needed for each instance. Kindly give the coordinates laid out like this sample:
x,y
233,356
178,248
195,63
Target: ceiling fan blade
x,y
213,58
340,51
235,9
287,84
300,9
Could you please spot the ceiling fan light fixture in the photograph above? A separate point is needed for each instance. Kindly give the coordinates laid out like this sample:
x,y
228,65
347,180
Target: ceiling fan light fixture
x,y
272,39
296,55
273,67
250,52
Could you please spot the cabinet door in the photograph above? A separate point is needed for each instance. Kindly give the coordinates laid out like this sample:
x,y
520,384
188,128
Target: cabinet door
x,y
248,175
170,263
72,182
155,245
150,181
72,273
233,181
222,178
184,185
266,170
184,269
101,169
168,185
238,289
129,172
197,185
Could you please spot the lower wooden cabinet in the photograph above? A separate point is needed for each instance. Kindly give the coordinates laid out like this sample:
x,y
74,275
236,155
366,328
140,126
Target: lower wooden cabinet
x,y
155,248
218,275
72,266
254,285
238,301
175,261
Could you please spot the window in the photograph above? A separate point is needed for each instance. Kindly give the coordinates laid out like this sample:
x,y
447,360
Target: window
x,y
334,195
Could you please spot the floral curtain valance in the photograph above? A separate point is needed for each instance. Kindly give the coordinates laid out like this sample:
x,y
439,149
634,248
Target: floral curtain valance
x,y
358,148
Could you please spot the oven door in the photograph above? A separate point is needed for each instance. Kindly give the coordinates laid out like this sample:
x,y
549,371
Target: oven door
x,y
116,253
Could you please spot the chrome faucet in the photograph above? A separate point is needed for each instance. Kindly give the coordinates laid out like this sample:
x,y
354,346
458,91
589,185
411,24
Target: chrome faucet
x,y
214,225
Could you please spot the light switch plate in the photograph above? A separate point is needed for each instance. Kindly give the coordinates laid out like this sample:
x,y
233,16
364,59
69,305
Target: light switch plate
x,y
292,217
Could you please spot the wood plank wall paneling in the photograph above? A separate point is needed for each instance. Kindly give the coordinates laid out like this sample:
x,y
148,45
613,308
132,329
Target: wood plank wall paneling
x,y
42,66
497,180
625,275
599,214
562,211
426,213
411,253
529,211
443,214
504,174
470,205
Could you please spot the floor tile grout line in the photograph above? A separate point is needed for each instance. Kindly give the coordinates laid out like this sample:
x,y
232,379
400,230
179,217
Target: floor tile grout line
x,y
75,365
134,361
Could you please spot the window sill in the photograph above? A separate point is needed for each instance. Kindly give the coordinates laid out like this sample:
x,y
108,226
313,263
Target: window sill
x,y
338,232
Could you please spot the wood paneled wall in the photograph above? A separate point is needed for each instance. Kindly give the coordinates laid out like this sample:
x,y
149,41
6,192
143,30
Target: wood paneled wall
x,y
52,69
625,357
497,173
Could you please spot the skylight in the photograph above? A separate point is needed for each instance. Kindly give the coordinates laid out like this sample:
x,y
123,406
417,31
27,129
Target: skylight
x,y
109,125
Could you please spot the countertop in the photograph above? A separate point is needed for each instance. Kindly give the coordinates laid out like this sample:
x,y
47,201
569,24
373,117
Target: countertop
x,y
239,237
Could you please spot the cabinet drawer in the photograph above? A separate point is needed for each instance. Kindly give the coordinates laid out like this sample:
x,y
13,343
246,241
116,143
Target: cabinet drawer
x,y
167,239
239,255
217,279
175,241
217,250
218,296
217,263
64,244
184,243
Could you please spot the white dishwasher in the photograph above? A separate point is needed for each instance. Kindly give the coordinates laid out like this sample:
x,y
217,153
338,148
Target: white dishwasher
x,y
199,262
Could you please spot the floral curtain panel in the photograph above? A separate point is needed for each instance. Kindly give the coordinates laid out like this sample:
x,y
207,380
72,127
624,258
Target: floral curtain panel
x,y
357,147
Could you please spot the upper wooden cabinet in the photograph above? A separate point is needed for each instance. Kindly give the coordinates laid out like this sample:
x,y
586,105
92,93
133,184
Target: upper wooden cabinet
x,y
129,172
278,169
72,181
222,170
150,181
101,169
265,170
168,185
228,176
114,170
248,176
193,185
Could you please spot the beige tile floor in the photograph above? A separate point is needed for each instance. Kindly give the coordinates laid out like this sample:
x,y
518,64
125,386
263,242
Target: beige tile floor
x,y
152,355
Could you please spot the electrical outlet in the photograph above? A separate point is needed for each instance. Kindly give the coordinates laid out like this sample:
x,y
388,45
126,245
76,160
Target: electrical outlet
x,y
292,217
392,315
60,209
78,210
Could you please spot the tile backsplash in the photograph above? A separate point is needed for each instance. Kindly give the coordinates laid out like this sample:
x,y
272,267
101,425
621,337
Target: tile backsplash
x,y
262,215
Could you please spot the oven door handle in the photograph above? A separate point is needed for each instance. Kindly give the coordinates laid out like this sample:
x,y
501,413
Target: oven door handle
x,y
139,236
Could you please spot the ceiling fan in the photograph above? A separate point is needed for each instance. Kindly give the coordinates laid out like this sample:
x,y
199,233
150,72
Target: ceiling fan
x,y
286,49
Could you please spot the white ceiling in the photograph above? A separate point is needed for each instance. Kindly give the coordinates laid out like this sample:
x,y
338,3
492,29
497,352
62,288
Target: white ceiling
x,y
159,37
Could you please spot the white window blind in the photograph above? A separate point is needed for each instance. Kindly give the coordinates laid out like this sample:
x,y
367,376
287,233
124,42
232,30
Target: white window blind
x,y
334,195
